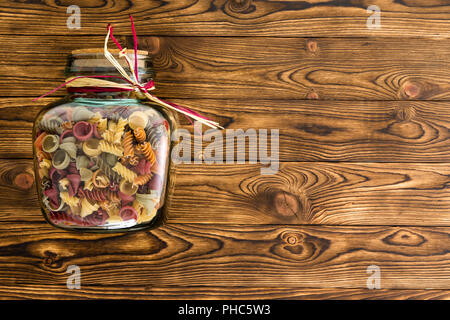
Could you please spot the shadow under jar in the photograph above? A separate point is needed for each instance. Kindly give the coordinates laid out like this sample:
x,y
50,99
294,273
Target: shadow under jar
x,y
102,157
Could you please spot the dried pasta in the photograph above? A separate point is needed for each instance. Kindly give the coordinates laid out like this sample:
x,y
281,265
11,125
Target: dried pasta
x,y
148,152
111,148
127,144
141,180
139,134
124,172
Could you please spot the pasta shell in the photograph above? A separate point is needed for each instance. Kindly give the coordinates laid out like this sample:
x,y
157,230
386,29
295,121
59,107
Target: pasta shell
x,y
88,207
82,162
50,143
91,147
61,159
110,159
137,119
70,148
127,187
81,114
148,201
128,213
47,204
69,140
85,174
83,130
75,181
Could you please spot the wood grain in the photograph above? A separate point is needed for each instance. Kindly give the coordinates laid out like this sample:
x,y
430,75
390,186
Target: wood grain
x,y
300,193
308,130
252,68
422,18
247,256
60,292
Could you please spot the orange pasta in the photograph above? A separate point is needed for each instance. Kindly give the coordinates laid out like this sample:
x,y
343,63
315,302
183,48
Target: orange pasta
x,y
127,143
38,141
41,155
134,160
148,152
139,181
139,134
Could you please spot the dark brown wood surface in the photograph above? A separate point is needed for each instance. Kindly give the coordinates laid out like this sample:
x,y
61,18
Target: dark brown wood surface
x,y
419,18
300,193
364,152
251,68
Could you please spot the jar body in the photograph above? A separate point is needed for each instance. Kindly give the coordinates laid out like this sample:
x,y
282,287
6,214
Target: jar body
x,y
102,164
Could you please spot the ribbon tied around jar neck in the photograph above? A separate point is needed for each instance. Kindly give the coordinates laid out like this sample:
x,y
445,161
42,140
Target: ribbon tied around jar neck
x,y
99,83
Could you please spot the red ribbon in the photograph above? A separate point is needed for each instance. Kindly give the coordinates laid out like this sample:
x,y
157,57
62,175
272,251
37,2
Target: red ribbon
x,y
145,88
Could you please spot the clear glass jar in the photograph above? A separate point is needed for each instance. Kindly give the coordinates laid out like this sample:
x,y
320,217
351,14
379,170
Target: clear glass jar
x,y
102,158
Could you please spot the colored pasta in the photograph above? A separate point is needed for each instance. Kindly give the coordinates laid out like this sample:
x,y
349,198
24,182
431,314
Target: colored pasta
x,y
148,152
124,172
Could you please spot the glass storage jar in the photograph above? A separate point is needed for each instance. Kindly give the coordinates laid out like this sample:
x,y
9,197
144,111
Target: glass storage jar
x,y
102,157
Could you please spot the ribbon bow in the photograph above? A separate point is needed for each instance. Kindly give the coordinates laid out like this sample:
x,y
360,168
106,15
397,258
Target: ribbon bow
x,y
96,83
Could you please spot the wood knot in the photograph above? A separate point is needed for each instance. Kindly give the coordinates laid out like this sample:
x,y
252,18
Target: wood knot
x,y
286,204
24,180
239,6
412,89
152,45
312,46
405,113
50,258
312,95
299,246
405,238
292,238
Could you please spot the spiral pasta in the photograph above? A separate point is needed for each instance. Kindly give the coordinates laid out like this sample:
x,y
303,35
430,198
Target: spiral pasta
x,y
134,161
99,195
141,180
110,137
147,151
140,135
124,172
51,125
127,144
111,148
64,217
107,170
120,127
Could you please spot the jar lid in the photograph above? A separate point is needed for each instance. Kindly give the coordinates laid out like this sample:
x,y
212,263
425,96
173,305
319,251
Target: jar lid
x,y
94,58
113,51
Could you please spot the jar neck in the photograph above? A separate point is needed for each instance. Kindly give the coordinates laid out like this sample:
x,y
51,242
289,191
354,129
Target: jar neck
x,y
93,63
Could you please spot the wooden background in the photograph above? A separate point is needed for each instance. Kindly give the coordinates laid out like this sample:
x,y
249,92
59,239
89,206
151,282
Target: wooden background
x,y
364,150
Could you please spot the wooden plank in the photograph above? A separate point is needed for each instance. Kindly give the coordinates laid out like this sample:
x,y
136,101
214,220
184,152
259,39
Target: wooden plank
x,y
61,292
300,193
420,18
252,68
249,256
308,130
